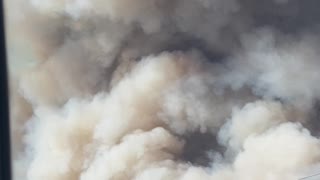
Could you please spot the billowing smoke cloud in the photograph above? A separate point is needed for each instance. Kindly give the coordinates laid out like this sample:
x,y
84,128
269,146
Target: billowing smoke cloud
x,y
164,89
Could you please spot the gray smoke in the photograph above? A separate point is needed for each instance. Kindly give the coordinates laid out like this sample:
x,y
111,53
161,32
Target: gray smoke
x,y
164,89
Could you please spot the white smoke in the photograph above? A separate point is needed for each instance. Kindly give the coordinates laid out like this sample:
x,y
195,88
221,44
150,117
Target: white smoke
x,y
159,89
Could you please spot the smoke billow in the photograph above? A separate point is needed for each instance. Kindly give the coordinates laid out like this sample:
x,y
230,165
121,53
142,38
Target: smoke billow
x,y
164,89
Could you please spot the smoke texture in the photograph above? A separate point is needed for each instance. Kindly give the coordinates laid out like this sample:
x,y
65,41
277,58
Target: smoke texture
x,y
164,89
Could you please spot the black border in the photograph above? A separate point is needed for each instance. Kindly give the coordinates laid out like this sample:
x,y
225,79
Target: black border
x,y
5,160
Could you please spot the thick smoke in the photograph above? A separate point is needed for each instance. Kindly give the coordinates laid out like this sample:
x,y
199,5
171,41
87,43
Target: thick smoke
x,y
164,89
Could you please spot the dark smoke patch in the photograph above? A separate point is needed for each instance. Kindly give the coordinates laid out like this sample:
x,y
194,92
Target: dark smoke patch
x,y
197,148
313,123
288,16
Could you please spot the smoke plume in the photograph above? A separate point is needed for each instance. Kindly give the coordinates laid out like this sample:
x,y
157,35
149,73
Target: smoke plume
x,y
164,89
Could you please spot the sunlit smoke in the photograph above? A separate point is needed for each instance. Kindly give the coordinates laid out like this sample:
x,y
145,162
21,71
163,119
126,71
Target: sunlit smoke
x,y
164,89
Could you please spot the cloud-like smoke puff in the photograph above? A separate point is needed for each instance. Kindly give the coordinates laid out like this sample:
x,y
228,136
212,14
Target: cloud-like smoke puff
x,y
159,89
